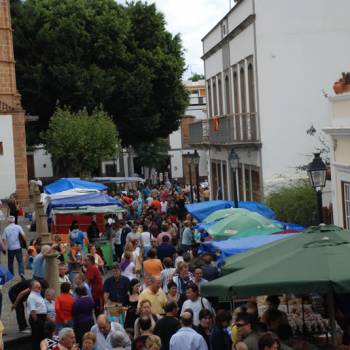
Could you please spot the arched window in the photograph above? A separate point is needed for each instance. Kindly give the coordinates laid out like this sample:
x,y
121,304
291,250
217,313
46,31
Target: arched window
x,y
215,95
210,104
251,89
227,95
220,96
235,92
243,91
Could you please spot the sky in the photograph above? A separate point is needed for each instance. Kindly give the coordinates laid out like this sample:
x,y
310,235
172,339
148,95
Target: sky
x,y
192,19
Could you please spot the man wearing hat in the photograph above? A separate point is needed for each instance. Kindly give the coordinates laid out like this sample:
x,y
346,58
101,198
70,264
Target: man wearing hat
x,y
11,240
116,288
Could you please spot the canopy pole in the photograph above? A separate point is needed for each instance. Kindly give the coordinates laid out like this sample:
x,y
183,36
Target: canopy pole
x,y
331,316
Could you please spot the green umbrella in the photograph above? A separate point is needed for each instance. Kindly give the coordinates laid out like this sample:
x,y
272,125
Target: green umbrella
x,y
243,224
224,213
314,261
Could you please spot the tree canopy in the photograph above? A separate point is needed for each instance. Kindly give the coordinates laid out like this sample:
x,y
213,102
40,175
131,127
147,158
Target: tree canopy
x,y
294,203
78,142
86,53
196,77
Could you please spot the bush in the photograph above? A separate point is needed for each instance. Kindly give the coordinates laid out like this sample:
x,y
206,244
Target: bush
x,y
295,203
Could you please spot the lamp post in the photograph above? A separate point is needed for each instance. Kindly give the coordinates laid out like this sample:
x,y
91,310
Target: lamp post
x,y
195,161
189,158
316,171
234,164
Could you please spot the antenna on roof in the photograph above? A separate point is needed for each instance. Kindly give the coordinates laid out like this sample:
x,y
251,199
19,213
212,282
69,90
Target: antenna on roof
x,y
230,4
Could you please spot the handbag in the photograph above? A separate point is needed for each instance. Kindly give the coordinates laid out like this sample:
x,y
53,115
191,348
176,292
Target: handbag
x,y
22,241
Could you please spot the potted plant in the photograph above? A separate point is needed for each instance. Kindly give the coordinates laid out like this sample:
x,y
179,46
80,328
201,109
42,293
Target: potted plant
x,y
346,81
343,84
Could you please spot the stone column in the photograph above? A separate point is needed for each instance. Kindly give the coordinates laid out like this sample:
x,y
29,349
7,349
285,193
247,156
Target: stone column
x,y
41,219
51,272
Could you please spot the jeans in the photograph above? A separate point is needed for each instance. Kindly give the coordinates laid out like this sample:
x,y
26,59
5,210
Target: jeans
x,y
11,254
20,314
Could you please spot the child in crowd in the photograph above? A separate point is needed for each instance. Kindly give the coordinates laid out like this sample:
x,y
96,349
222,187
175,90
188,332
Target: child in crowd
x,y
50,304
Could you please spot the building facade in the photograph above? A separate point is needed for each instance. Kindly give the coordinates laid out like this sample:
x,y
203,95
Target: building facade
x,y
339,131
268,66
179,140
13,161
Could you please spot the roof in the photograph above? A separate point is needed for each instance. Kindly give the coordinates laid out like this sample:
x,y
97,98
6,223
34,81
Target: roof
x,y
237,3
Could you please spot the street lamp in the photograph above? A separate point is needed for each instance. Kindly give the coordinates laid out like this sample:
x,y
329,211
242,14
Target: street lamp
x,y
234,164
316,171
188,156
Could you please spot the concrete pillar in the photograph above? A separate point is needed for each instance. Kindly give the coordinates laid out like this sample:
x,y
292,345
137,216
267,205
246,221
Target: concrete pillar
x,y
41,219
51,272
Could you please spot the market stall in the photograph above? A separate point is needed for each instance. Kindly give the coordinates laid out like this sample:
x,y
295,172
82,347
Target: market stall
x,y
311,262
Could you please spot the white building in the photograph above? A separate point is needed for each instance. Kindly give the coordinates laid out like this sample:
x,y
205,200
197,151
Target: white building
x,y
339,130
268,65
179,139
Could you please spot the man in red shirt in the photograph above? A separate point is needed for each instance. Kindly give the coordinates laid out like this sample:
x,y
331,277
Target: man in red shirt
x,y
94,279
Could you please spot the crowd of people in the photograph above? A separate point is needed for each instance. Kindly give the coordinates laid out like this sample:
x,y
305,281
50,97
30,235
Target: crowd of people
x,y
149,299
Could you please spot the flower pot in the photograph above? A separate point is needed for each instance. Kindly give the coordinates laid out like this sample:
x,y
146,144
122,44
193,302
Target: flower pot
x,y
338,87
346,87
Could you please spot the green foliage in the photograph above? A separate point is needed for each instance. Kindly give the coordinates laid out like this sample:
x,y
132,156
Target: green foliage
x,y
78,142
153,154
86,53
295,203
196,77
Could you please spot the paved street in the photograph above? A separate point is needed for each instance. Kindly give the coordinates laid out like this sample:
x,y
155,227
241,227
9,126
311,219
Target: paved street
x,y
8,317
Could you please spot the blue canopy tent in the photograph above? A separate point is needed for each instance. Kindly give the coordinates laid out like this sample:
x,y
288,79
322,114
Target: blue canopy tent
x,y
201,210
229,247
86,200
66,184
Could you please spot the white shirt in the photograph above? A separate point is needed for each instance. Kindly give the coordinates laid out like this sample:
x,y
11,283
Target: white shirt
x,y
11,236
163,206
103,342
129,271
146,238
196,307
36,302
187,339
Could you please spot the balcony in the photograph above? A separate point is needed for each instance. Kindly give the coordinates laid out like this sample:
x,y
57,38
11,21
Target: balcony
x,y
231,129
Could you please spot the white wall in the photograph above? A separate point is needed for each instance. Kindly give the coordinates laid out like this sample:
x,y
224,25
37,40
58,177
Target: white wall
x,y
175,139
301,50
7,160
242,45
176,164
42,163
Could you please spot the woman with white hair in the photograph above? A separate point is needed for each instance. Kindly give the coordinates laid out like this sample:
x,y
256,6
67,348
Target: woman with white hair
x,y
120,341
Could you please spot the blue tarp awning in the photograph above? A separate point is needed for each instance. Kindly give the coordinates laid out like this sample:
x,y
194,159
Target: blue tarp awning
x,y
201,210
72,183
231,247
90,199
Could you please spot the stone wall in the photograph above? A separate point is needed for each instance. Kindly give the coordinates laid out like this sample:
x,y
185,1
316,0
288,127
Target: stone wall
x,y
10,100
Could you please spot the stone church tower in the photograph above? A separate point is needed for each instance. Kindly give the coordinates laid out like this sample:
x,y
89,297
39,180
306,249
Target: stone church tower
x,y
13,158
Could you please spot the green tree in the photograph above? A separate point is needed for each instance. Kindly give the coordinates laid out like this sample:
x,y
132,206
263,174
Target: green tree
x,y
196,77
294,203
153,154
86,53
78,142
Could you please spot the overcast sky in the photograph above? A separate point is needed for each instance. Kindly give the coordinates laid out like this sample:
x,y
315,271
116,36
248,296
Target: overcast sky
x,y
192,19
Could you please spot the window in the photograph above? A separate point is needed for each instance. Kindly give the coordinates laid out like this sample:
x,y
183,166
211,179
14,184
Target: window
x,y
215,96
243,92
220,96
346,203
209,100
251,88
1,149
227,95
235,92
